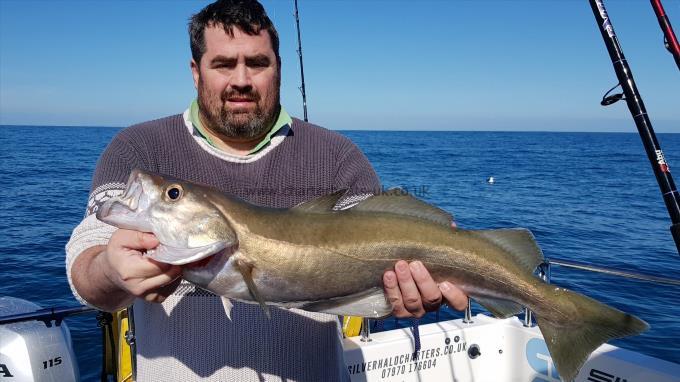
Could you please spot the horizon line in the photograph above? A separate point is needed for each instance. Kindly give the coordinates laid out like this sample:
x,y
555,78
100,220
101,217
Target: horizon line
x,y
385,130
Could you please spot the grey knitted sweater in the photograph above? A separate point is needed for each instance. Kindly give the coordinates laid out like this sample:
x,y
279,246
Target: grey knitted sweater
x,y
188,337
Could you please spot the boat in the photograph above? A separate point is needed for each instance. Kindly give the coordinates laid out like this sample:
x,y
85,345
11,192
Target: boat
x,y
473,348
482,348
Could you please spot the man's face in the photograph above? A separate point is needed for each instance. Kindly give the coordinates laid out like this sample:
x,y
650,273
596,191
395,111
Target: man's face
x,y
238,82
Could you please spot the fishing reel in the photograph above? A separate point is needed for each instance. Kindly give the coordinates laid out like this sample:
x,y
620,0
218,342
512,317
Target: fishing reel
x,y
610,99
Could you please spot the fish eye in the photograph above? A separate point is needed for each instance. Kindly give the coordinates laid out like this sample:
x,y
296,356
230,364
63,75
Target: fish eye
x,y
174,192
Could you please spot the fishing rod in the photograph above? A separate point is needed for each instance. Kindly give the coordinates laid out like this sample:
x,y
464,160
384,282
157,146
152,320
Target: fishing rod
x,y
302,70
670,40
639,113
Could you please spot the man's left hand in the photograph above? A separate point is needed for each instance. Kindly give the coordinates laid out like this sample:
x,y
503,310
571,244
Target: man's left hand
x,y
412,291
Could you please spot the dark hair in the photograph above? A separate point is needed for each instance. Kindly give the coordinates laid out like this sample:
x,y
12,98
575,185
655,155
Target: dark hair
x,y
247,15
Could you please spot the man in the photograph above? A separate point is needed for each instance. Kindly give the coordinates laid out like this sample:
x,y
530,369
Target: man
x,y
235,137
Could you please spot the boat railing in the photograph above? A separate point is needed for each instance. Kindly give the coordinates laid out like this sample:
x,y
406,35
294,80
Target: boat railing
x,y
610,271
47,315
57,314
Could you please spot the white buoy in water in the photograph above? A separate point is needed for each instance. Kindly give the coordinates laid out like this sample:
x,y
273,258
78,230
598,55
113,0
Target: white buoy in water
x,y
490,180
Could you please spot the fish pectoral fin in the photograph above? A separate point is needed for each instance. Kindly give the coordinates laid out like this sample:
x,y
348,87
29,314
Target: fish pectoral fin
x,y
180,256
498,307
226,303
246,269
371,303
518,243
321,204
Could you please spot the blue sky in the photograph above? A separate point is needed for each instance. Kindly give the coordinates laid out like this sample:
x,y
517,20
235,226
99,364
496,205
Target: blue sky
x,y
416,65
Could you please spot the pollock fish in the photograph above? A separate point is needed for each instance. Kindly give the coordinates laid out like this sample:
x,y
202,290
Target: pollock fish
x,y
320,259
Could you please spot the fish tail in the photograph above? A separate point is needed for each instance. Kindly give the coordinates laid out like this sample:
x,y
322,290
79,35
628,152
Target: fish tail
x,y
574,325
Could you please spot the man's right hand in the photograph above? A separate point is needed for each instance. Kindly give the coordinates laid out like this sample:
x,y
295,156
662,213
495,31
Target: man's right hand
x,y
112,276
128,268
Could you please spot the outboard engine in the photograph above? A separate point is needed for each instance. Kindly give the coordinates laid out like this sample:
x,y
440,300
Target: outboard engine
x,y
34,351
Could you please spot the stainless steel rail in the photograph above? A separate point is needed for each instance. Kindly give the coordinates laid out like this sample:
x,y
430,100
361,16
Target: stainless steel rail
x,y
468,313
47,315
366,330
613,271
544,274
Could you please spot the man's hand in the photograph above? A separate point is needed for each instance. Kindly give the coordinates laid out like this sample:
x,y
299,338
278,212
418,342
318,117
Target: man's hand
x,y
125,265
111,277
412,291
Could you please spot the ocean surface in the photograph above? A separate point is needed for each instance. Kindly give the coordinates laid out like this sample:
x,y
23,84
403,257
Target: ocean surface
x,y
588,197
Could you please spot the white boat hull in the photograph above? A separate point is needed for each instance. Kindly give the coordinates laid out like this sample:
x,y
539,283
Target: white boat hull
x,y
508,351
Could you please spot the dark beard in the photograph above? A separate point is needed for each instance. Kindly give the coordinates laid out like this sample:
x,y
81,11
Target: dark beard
x,y
238,125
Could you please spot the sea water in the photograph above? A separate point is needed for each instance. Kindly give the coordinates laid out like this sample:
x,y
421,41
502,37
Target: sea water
x,y
588,197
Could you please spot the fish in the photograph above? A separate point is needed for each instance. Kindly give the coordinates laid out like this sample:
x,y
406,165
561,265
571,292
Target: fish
x,y
319,258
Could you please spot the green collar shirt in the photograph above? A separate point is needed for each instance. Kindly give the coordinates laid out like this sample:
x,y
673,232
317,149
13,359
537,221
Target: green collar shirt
x,y
283,120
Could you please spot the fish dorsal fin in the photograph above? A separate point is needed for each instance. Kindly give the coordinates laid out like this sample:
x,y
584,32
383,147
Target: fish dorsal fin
x,y
321,204
399,202
518,242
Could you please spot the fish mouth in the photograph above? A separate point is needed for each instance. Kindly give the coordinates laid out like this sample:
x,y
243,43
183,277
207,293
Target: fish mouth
x,y
203,263
206,268
181,256
128,211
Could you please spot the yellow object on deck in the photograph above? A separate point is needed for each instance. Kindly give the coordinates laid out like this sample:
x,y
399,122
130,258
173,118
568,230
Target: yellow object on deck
x,y
351,326
117,350
123,355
